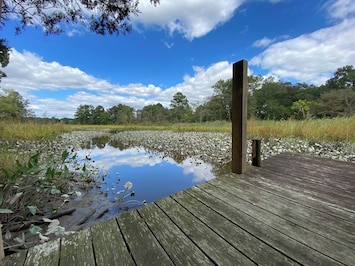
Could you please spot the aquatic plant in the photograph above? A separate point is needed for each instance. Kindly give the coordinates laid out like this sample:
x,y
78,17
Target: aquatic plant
x,y
121,196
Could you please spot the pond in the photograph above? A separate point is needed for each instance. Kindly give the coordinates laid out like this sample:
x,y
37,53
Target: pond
x,y
152,175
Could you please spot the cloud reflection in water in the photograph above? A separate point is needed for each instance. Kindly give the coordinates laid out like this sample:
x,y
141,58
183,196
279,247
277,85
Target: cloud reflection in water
x,y
153,175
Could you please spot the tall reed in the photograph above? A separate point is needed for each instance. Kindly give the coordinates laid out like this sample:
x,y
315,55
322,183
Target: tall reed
x,y
337,129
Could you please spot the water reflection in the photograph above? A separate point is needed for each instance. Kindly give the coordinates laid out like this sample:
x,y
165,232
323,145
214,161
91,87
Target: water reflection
x,y
153,175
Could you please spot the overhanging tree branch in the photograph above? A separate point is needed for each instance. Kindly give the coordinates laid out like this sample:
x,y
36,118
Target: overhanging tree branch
x,y
101,17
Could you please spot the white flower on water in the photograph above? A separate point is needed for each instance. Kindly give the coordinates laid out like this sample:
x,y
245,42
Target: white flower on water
x,y
43,238
128,185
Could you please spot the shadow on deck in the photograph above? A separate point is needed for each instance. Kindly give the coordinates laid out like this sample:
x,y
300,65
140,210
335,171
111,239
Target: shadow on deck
x,y
293,210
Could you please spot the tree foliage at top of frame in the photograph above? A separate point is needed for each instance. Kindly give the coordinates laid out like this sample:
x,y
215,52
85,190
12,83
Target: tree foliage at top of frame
x,y
101,17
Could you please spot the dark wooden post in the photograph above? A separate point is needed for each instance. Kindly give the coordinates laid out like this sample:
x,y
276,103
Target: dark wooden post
x,y
256,153
239,116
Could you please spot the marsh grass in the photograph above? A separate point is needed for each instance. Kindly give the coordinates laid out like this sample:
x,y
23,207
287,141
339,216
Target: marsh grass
x,y
10,130
337,129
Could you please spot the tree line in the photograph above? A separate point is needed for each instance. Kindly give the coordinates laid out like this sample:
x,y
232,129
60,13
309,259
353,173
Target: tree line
x,y
268,99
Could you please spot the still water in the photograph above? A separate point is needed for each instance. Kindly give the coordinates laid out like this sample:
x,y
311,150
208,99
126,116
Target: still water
x,y
153,175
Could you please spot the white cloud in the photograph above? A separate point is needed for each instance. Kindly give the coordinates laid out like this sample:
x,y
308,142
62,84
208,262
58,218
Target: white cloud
x,y
199,86
29,75
340,9
263,42
191,18
312,57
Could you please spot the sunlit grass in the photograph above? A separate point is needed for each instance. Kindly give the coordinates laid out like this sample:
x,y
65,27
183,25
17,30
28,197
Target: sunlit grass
x,y
337,129
29,131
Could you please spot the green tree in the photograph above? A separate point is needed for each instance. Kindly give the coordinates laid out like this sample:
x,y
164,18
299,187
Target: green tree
x,y
4,56
223,96
13,105
84,114
344,78
155,113
101,17
120,114
302,108
100,116
180,108
336,103
272,101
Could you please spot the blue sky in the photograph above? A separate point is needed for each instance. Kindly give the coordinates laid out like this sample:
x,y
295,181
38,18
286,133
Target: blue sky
x,y
186,46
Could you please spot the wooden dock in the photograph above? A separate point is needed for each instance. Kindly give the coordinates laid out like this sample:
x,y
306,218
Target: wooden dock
x,y
294,210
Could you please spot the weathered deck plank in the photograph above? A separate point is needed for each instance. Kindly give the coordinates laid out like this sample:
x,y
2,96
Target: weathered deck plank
x,y
168,234
312,219
145,248
218,249
286,245
45,254
240,239
15,259
76,249
296,231
109,246
293,210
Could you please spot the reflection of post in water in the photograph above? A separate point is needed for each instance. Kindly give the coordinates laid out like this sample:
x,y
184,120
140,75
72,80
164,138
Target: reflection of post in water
x,y
239,116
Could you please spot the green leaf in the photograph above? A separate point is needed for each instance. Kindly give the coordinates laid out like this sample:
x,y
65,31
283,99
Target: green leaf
x,y
65,155
55,191
5,211
7,174
21,240
34,229
33,161
32,209
1,198
57,230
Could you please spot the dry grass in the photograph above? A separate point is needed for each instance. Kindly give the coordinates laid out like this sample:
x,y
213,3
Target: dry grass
x,y
337,129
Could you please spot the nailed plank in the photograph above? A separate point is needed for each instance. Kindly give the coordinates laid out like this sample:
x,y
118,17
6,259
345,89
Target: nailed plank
x,y
257,179
241,239
178,246
327,163
314,220
76,249
44,254
16,259
322,170
323,193
109,246
145,248
217,248
335,250
286,245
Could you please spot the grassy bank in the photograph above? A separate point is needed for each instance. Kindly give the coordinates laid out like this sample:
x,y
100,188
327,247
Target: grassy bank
x,y
339,129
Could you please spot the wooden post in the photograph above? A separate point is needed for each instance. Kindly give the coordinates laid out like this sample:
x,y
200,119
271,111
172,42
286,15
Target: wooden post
x,y
256,154
239,116
2,254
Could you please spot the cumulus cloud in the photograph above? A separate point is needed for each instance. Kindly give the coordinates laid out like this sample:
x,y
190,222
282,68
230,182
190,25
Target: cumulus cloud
x,y
33,73
191,18
340,9
30,75
312,57
199,86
